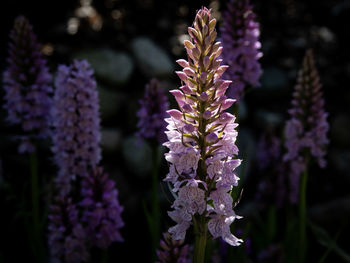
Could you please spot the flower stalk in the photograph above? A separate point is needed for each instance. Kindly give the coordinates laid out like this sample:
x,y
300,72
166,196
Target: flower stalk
x,y
201,236
302,213
155,199
35,190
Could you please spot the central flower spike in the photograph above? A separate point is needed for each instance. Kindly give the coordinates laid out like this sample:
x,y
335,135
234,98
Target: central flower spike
x,y
201,138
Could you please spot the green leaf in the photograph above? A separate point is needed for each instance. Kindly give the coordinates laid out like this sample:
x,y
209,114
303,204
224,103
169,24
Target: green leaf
x,y
325,240
271,223
148,217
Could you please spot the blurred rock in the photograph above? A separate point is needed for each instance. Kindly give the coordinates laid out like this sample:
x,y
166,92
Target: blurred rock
x,y
138,155
268,46
341,7
168,85
152,59
110,139
340,128
274,79
333,211
268,118
341,160
242,110
110,102
113,67
298,42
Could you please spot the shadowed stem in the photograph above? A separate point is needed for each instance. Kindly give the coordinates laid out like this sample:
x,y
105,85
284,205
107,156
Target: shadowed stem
x,y
35,203
302,213
155,201
35,193
200,240
104,256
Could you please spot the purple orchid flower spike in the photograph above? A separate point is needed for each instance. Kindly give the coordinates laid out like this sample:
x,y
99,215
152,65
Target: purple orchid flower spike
x,y
307,128
201,139
240,38
77,123
67,237
152,112
27,84
101,209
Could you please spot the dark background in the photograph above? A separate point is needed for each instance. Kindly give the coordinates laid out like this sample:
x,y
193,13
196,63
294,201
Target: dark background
x,y
288,28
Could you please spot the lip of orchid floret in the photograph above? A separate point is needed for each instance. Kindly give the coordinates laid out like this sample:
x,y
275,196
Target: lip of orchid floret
x,y
27,84
101,209
306,130
76,123
201,138
153,107
240,38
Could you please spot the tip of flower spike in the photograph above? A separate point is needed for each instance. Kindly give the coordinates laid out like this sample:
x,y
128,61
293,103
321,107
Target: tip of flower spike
x,y
21,22
204,11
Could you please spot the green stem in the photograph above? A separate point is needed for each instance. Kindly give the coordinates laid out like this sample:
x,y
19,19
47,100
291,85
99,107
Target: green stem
x,y
35,193
302,214
104,256
200,241
35,203
155,201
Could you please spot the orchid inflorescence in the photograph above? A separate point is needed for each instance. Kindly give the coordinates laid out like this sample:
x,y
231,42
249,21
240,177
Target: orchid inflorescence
x,y
202,138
